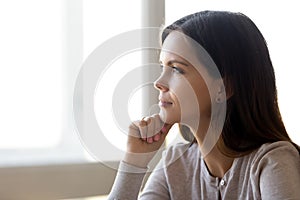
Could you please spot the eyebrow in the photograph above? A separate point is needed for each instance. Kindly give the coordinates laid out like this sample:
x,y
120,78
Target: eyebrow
x,y
170,62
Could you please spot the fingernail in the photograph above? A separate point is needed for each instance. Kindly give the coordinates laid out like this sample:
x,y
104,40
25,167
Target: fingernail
x,y
157,137
164,129
150,140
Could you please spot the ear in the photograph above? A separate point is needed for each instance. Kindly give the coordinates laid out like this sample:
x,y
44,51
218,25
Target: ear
x,y
223,91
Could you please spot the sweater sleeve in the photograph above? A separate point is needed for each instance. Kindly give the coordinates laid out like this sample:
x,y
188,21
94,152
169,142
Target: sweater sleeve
x,y
127,182
156,186
278,170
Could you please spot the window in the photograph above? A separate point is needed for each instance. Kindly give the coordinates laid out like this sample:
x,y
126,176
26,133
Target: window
x,y
43,44
32,108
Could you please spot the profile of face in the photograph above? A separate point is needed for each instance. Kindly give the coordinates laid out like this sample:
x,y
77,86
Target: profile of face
x,y
183,91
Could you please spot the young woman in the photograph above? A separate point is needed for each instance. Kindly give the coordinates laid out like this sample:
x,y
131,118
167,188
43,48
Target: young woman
x,y
251,155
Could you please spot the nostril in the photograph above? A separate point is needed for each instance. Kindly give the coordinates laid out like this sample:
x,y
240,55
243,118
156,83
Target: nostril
x,y
157,85
160,86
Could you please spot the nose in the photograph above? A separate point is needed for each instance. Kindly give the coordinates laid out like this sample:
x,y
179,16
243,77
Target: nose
x,y
159,84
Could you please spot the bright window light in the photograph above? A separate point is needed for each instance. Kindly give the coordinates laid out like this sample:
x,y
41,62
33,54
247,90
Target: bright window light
x,y
30,74
101,22
43,44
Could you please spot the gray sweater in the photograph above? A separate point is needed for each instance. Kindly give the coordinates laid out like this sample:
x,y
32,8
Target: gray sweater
x,y
271,172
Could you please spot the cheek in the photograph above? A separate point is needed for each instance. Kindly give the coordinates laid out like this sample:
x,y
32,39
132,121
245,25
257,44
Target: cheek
x,y
201,90
203,97
186,100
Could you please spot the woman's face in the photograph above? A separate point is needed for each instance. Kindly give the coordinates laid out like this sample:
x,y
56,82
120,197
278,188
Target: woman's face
x,y
184,96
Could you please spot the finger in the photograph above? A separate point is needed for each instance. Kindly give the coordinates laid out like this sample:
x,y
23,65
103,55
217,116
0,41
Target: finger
x,y
150,140
150,127
162,133
161,125
156,137
143,128
166,128
155,125
158,123
134,129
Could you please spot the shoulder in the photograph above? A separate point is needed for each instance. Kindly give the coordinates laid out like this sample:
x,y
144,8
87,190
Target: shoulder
x,y
181,153
278,149
275,171
281,154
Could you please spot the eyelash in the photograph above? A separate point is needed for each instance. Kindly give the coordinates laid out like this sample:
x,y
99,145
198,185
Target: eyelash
x,y
175,69
178,70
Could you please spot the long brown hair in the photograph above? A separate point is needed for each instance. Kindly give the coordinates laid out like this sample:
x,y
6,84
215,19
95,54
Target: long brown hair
x,y
240,52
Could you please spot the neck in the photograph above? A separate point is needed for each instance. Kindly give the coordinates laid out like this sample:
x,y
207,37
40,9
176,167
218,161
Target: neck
x,y
217,163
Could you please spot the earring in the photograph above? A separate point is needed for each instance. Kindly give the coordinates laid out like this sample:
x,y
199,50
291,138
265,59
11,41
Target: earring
x,y
218,99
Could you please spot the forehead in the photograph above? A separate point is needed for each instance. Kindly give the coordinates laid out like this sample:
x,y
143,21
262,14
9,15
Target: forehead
x,y
179,46
166,56
175,45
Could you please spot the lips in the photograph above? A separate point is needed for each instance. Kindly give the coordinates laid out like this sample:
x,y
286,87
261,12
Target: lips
x,y
164,103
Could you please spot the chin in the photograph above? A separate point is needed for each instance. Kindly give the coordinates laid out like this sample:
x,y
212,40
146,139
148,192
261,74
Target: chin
x,y
169,117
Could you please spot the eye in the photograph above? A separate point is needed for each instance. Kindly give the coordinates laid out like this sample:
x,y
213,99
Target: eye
x,y
177,70
161,67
